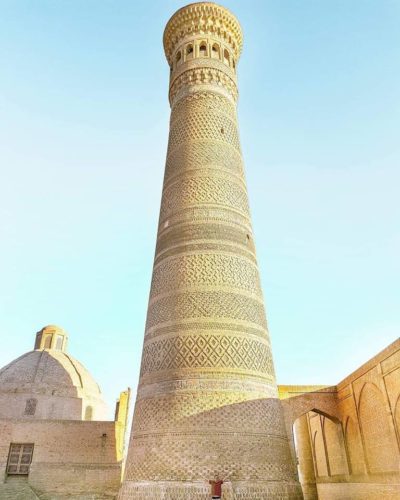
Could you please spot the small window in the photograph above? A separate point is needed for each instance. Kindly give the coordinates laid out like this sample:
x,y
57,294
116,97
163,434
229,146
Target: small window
x,y
203,49
30,406
88,413
215,51
226,57
19,459
47,341
189,51
37,341
233,63
178,57
59,342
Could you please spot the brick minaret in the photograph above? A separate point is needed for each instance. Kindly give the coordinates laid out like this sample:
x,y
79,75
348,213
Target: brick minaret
x,y
207,407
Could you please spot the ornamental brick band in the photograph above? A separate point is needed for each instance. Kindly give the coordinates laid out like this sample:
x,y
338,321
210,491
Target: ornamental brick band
x,y
207,410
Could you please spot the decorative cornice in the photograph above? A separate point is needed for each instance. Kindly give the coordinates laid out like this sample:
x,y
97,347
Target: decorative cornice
x,y
202,63
203,18
198,77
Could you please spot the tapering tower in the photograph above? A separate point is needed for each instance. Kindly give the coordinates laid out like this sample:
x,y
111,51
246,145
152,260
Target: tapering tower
x,y
207,406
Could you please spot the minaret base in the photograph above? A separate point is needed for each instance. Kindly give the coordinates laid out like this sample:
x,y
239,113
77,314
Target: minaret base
x,y
177,490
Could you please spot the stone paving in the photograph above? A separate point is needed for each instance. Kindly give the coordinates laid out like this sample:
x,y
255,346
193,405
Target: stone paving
x,y
17,489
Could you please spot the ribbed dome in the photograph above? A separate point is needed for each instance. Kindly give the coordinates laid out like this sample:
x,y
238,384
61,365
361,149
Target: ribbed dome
x,y
48,383
48,372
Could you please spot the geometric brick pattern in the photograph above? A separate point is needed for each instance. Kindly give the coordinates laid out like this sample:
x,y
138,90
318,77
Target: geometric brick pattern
x,y
216,190
206,351
205,125
201,154
207,399
213,304
197,412
201,101
192,455
206,213
214,79
205,269
207,246
179,237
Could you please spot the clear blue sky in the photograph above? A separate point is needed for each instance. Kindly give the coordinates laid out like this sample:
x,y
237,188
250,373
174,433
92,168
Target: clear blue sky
x,y
83,136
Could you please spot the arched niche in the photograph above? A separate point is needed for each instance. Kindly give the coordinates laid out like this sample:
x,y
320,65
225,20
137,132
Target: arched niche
x,y
379,440
321,465
354,447
226,57
397,418
215,51
203,49
335,449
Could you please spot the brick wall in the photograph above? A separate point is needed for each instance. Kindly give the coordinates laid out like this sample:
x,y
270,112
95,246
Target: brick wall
x,y
353,431
69,457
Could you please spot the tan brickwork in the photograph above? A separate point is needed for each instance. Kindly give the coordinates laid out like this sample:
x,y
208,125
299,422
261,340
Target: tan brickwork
x,y
69,457
305,458
207,407
207,404
49,383
353,429
49,401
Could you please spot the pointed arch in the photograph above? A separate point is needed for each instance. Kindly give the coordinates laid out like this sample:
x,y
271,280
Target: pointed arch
x,y
189,51
378,436
319,453
203,49
304,454
178,58
313,442
215,51
397,418
226,57
354,447
335,448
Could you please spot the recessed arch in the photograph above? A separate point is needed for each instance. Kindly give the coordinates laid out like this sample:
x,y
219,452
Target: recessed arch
x,y
215,51
178,57
354,447
226,57
335,447
319,453
323,410
397,417
366,385
189,51
30,406
203,49
379,440
304,456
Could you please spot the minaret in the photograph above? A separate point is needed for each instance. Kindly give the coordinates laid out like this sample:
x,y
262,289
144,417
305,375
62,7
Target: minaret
x,y
207,407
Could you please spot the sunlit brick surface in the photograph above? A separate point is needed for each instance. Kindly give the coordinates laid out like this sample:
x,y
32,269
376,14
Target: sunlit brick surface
x,y
207,403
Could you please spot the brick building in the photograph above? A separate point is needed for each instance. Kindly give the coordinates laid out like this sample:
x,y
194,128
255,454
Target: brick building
x,y
209,418
345,438
55,440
